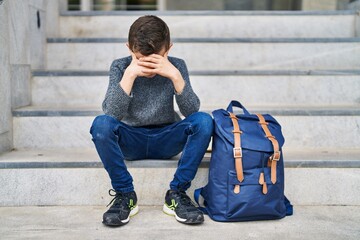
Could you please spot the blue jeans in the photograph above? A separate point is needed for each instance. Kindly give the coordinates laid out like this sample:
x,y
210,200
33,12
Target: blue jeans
x,y
116,141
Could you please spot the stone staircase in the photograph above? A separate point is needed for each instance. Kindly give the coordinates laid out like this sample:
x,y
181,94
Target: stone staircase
x,y
302,67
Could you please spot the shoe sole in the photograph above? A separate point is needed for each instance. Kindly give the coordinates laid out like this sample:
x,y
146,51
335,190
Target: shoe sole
x,y
125,221
171,212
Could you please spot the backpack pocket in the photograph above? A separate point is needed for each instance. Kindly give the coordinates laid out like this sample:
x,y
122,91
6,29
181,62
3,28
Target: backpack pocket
x,y
251,203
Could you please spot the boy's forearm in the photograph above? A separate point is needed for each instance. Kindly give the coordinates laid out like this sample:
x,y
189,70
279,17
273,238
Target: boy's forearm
x,y
116,101
127,82
179,82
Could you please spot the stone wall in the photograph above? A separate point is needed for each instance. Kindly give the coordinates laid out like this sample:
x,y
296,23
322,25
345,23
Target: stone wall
x,y
53,7
5,83
19,52
37,25
22,48
355,5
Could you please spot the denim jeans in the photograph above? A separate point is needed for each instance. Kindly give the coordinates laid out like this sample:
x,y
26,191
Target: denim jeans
x,y
116,141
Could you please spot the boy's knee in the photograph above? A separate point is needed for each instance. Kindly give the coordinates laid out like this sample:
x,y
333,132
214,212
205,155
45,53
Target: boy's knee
x,y
102,127
203,121
203,118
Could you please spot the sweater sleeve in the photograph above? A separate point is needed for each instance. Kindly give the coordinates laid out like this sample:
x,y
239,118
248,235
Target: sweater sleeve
x,y
116,102
187,100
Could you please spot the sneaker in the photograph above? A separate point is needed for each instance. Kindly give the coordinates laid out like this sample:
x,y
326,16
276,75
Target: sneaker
x,y
178,204
124,206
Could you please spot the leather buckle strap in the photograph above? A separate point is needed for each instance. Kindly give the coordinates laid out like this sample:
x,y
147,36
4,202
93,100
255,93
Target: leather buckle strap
x,y
276,156
237,151
277,153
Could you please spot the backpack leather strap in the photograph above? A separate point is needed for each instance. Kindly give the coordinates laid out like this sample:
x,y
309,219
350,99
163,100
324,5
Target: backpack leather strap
x,y
237,151
277,154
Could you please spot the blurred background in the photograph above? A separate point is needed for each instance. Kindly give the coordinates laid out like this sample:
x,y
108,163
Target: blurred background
x,y
256,5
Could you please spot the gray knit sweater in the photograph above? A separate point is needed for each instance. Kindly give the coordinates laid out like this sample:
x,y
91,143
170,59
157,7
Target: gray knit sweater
x,y
151,101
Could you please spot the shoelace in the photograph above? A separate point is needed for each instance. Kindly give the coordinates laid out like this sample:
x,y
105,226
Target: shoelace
x,y
118,197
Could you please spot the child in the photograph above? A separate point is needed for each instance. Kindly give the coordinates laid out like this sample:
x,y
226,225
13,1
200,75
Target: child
x,y
140,122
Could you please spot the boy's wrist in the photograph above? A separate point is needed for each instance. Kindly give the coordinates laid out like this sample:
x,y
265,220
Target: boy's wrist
x,y
176,76
178,81
127,81
130,75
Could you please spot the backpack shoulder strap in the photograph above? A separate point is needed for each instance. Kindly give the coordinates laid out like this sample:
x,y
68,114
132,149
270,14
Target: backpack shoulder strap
x,y
197,194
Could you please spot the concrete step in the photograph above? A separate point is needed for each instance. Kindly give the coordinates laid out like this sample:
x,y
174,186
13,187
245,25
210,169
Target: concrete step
x,y
320,127
84,222
215,89
219,54
216,24
76,177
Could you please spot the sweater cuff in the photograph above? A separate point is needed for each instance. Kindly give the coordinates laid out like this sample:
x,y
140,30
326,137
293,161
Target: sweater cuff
x,y
184,93
122,94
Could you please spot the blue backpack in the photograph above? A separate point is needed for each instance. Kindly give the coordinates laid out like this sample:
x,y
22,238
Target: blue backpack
x,y
246,175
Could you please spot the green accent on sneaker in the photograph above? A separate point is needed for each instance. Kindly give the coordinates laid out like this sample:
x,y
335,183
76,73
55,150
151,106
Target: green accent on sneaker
x,y
131,204
173,204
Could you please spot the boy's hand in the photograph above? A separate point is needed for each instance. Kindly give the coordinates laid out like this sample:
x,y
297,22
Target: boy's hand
x,y
133,71
136,70
157,64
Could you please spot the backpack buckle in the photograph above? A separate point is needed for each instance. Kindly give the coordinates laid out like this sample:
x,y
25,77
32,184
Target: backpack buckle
x,y
237,152
275,156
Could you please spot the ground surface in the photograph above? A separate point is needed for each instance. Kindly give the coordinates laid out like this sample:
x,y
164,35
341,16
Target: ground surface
x,y
84,222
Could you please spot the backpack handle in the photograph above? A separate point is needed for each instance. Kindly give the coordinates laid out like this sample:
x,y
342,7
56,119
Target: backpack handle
x,y
234,103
